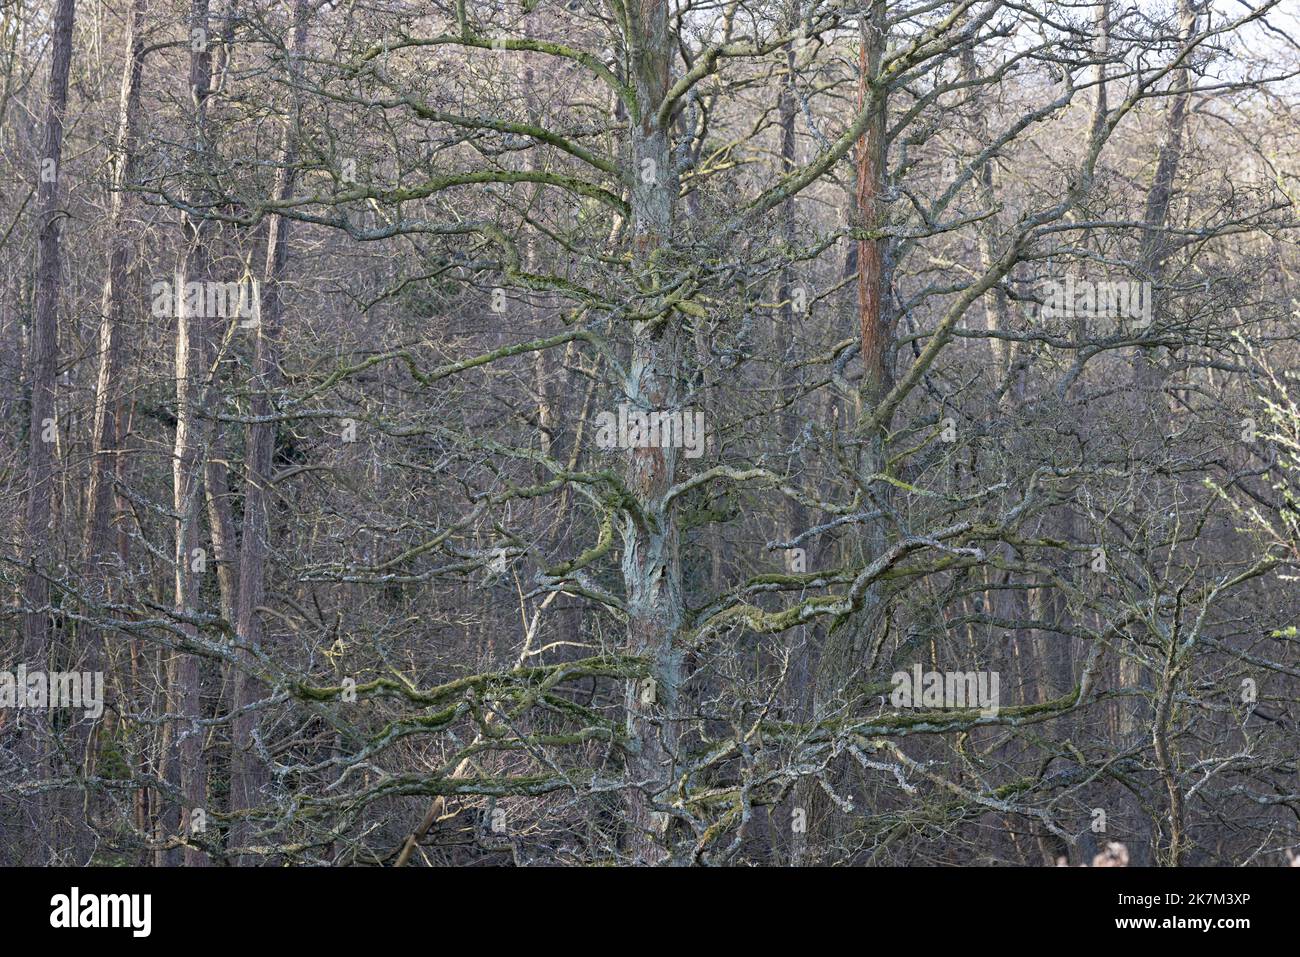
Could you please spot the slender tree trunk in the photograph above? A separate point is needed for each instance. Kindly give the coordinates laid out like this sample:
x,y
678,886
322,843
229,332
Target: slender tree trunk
x,y
187,768
1152,412
248,775
221,519
996,306
100,546
844,646
1151,409
870,201
101,552
38,546
794,520
844,650
216,468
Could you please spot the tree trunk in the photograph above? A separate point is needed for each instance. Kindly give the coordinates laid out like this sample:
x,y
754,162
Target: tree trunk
x,y
42,369
247,773
102,564
651,568
186,766
1152,414
844,650
101,547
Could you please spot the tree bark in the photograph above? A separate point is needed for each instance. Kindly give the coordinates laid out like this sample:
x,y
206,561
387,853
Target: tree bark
x,y
186,768
651,566
1152,412
42,369
101,547
248,775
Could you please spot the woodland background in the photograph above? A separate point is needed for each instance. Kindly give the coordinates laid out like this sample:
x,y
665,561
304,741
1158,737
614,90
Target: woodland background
x,y
365,589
